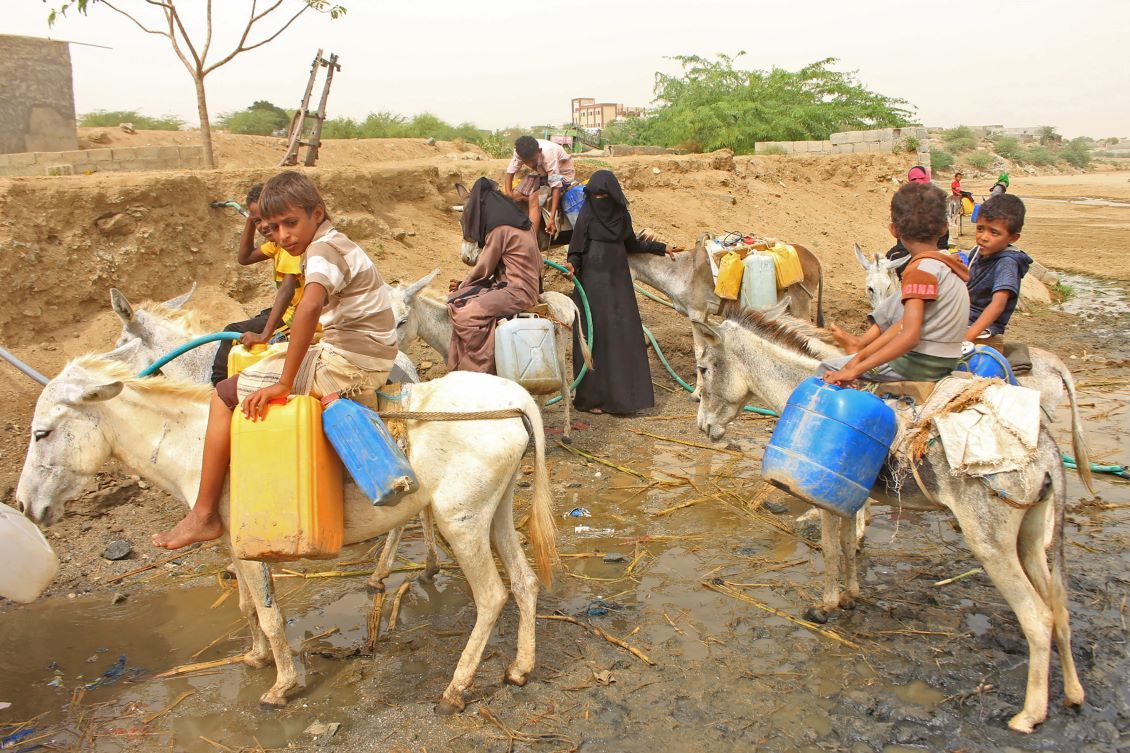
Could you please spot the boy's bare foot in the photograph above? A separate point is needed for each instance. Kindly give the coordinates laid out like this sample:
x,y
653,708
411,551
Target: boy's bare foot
x,y
191,529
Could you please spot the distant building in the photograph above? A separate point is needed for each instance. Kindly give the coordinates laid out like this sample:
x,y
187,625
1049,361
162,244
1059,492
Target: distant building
x,y
592,115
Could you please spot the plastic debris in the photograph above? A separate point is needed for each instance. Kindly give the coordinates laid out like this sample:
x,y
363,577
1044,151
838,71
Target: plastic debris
x,y
589,532
578,512
600,607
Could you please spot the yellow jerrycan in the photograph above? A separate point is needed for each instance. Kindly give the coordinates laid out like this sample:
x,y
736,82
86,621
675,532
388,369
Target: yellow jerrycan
x,y
286,485
241,358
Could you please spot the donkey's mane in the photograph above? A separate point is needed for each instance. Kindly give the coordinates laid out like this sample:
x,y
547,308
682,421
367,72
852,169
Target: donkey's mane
x,y
120,372
807,329
793,334
187,319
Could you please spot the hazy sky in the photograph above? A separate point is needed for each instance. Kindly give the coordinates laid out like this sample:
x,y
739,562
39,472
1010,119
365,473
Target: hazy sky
x,y
1013,62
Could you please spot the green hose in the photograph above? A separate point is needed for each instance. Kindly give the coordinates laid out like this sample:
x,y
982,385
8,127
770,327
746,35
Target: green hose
x,y
1115,470
152,368
588,327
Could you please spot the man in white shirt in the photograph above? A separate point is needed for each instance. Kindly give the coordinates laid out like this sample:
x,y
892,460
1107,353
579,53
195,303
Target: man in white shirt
x,y
550,165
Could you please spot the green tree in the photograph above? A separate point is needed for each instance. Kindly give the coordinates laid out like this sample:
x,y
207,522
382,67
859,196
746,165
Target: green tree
x,y
1048,136
261,118
1077,152
164,19
712,104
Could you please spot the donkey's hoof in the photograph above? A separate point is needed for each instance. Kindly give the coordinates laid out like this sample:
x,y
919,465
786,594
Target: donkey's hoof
x,y
816,614
1022,722
516,677
257,662
272,700
447,707
428,576
847,602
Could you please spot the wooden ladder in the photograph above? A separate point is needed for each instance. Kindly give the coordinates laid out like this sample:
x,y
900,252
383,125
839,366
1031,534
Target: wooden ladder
x,y
298,123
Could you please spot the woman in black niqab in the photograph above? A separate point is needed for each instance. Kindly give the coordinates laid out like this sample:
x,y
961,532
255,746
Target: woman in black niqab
x,y
620,381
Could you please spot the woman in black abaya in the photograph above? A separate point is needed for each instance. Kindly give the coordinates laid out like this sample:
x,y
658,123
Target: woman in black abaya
x,y
620,381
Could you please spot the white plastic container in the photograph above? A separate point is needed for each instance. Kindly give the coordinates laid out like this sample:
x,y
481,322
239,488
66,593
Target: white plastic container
x,y
27,562
759,281
525,352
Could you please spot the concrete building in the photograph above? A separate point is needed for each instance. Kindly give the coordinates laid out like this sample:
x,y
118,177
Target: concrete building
x,y
37,98
590,114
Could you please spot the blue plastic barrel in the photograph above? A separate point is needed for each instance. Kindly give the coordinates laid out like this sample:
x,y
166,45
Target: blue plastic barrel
x,y
987,362
976,212
829,446
572,202
368,451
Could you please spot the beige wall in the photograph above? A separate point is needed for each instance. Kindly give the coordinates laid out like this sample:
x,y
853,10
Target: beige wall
x,y
37,100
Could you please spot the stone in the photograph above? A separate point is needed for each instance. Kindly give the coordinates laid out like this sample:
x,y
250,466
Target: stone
x,y
118,598
425,365
613,557
116,492
115,224
117,550
319,729
655,171
430,142
128,128
99,137
399,233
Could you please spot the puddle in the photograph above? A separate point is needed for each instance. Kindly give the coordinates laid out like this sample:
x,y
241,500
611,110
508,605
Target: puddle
x,y
1095,300
1084,201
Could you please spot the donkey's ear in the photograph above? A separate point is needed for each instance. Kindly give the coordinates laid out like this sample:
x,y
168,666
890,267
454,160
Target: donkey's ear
x,y
778,309
124,353
862,259
895,263
180,300
99,392
420,284
462,191
121,305
709,334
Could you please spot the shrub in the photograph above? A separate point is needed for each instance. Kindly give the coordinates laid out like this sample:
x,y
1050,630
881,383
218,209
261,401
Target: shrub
x,y
772,149
1048,136
111,119
980,160
940,159
1077,152
1009,148
262,118
1041,156
960,139
910,145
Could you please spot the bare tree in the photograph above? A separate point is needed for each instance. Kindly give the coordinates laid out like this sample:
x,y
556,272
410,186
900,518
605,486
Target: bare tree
x,y
164,18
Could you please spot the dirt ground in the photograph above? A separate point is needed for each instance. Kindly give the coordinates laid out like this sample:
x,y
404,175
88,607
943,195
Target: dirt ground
x,y
932,667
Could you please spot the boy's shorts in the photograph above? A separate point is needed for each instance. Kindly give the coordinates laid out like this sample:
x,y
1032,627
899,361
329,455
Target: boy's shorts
x,y
323,370
534,182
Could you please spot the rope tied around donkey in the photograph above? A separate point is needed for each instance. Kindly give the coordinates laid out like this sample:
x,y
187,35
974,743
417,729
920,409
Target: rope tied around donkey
x,y
483,415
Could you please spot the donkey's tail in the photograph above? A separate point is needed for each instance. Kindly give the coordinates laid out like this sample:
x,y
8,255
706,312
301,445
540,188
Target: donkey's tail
x,y
543,524
585,352
1078,440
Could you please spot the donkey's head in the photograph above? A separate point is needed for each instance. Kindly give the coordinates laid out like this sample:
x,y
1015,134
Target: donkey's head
x,y
67,445
403,308
882,278
723,388
157,328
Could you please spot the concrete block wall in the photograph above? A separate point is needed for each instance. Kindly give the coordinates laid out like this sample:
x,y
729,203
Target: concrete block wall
x,y
878,140
81,161
37,100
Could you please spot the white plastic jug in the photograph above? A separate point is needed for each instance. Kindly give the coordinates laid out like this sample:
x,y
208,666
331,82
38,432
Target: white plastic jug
x,y
759,281
525,352
27,562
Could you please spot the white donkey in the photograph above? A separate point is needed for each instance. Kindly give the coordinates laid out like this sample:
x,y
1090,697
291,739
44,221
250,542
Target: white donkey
x,y
1049,375
157,328
96,409
427,318
751,355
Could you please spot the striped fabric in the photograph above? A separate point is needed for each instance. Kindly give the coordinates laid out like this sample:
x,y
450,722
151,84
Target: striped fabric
x,y
323,370
357,320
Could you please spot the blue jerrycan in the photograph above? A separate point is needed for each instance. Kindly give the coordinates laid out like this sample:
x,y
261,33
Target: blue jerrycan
x,y
829,446
370,454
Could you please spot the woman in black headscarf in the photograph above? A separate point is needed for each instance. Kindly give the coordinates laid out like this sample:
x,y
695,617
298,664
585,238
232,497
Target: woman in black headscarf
x,y
504,281
620,381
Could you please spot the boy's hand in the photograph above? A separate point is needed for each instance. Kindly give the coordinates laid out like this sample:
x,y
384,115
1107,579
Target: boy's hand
x,y
572,272
249,339
255,406
843,377
452,285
